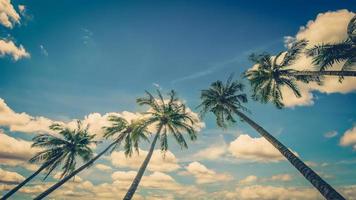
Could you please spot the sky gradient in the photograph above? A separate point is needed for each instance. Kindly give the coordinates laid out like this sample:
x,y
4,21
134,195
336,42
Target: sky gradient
x,y
84,59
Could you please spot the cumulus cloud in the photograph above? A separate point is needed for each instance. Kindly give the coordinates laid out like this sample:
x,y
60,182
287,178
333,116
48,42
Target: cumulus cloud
x,y
8,14
26,123
273,192
103,167
248,180
349,138
156,180
167,163
254,149
213,152
252,179
9,48
8,177
328,27
15,151
204,175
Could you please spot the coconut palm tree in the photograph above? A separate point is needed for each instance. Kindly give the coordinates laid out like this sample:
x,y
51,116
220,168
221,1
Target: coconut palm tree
x,y
59,150
271,73
122,131
226,100
326,55
167,116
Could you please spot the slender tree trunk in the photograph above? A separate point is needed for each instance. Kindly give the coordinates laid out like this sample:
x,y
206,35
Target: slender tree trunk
x,y
325,73
324,188
75,172
131,191
11,192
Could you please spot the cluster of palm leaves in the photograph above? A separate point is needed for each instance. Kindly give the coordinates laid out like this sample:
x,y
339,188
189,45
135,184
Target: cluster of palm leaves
x,y
271,73
169,116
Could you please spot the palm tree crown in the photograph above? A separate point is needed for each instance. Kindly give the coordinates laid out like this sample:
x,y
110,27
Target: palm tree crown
x,y
131,133
223,100
63,149
170,116
270,74
326,55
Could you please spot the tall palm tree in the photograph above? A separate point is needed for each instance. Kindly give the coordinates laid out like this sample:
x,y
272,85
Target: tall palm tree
x,y
271,73
168,116
325,55
122,130
225,101
59,150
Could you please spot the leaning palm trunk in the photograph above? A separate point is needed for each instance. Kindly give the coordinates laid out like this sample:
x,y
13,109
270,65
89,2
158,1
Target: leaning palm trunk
x,y
324,73
131,191
324,188
75,172
11,192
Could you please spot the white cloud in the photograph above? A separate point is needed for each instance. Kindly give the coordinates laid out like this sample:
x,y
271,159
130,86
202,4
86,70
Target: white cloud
x,y
204,175
349,138
254,149
156,180
213,152
26,123
103,167
330,134
278,193
15,151
8,15
281,177
248,180
10,177
167,163
252,179
9,48
329,27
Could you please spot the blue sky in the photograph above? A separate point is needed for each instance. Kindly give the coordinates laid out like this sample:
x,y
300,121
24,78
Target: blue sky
x,y
90,57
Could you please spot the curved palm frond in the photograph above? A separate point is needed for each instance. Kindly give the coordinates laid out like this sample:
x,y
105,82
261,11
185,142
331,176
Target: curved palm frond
x,y
64,149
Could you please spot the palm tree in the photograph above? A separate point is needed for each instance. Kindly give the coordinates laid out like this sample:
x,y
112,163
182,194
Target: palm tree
x,y
225,101
130,133
59,150
270,74
325,55
168,116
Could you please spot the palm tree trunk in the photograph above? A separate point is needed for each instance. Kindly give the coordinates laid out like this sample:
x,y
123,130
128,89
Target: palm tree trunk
x,y
131,191
75,172
324,73
11,192
324,188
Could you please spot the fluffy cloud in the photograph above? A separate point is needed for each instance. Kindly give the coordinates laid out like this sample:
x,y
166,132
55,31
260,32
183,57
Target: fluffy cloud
x,y
26,123
248,180
156,180
211,153
167,163
15,151
253,179
9,48
8,15
349,138
10,177
102,167
272,192
204,175
329,27
254,149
